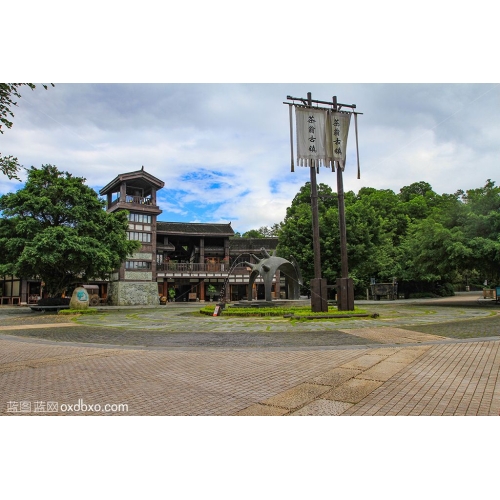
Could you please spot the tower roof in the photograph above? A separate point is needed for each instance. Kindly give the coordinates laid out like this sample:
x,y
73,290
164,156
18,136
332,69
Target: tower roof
x,y
140,178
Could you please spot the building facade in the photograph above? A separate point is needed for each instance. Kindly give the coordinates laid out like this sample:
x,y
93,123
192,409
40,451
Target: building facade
x,y
178,261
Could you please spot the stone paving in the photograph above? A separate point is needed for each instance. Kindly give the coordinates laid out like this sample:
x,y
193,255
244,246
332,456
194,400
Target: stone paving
x,y
433,359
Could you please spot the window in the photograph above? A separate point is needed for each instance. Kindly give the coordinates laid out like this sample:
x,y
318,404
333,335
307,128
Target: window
x,y
144,237
146,219
137,264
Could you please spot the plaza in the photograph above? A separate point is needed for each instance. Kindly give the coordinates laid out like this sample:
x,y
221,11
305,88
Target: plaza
x,y
423,357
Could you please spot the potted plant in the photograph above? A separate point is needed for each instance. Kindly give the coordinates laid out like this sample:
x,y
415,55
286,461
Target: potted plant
x,y
211,291
171,294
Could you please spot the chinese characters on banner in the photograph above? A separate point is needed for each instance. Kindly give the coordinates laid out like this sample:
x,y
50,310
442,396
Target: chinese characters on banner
x,y
339,131
321,137
311,125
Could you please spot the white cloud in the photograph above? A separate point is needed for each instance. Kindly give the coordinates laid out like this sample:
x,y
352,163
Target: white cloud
x,y
236,137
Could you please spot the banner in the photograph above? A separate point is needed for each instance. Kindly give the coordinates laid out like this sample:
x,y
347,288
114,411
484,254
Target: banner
x,y
311,125
337,138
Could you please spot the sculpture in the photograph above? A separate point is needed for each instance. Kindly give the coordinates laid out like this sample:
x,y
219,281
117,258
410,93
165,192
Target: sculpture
x,y
267,268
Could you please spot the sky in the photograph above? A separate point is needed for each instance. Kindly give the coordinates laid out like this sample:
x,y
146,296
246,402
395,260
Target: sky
x,y
223,149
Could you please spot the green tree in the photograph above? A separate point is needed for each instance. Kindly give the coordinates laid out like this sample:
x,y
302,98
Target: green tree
x,y
295,233
56,228
481,227
9,165
253,233
425,240
263,232
375,223
460,235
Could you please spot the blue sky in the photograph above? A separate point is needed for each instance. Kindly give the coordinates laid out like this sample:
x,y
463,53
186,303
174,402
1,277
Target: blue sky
x,y
221,141
223,150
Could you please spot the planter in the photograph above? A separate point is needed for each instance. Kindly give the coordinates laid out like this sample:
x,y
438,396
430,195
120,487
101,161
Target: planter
x,y
489,294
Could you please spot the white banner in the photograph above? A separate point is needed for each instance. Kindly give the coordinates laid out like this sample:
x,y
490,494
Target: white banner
x,y
337,140
311,125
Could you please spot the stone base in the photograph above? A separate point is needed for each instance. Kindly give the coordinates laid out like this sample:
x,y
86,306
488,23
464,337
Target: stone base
x,y
133,293
345,294
319,295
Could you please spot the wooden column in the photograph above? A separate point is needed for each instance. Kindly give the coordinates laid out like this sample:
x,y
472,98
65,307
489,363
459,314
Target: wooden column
x,y
123,192
319,302
202,250
345,287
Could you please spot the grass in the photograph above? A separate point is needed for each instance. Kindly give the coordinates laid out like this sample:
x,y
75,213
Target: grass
x,y
72,312
264,312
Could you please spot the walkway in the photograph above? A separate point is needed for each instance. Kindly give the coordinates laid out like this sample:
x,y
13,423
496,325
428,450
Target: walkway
x,y
427,359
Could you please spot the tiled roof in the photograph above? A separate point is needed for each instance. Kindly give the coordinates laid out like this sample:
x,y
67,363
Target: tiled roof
x,y
194,229
253,244
140,176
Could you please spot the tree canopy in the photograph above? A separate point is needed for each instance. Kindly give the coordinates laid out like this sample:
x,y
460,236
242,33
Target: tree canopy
x,y
9,165
417,236
262,232
56,228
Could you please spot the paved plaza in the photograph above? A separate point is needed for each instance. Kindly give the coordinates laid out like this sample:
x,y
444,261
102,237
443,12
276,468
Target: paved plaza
x,y
435,357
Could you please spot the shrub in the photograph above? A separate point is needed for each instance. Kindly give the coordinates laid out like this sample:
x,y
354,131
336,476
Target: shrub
x,y
77,311
246,312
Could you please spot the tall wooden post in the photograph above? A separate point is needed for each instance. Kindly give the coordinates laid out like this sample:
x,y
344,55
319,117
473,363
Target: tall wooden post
x,y
345,288
342,227
319,302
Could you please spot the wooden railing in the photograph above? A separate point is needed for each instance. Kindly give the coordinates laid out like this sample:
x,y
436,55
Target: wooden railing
x,y
138,200
187,267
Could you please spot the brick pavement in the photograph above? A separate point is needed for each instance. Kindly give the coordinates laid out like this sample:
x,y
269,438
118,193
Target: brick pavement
x,y
154,382
445,379
396,370
451,379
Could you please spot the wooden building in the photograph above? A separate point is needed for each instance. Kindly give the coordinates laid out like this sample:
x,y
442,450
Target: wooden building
x,y
177,260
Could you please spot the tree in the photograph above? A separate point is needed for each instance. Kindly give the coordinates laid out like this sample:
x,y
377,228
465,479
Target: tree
x,y
374,225
56,228
9,165
425,240
295,233
458,236
263,232
253,233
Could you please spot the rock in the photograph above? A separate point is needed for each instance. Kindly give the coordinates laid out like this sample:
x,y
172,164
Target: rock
x,y
79,299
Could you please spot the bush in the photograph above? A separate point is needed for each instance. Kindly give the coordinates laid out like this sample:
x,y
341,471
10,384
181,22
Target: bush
x,y
445,290
78,311
259,312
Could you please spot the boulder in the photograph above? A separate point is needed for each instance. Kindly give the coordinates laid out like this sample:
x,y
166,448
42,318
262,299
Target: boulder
x,y
79,299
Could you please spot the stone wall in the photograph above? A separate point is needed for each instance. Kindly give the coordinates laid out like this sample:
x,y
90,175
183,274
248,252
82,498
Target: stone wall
x,y
139,275
127,293
143,256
